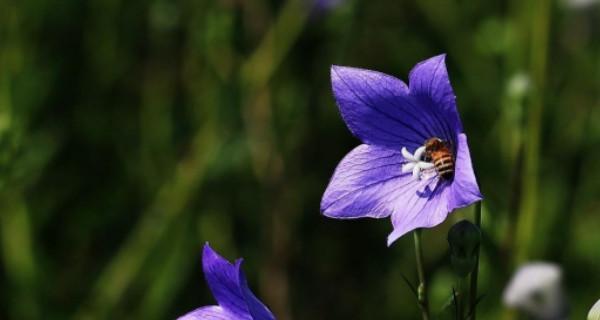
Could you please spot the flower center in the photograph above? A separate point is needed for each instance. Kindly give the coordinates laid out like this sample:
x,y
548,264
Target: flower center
x,y
433,158
416,163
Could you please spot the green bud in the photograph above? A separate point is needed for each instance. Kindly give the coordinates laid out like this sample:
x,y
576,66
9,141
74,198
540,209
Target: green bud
x,y
464,238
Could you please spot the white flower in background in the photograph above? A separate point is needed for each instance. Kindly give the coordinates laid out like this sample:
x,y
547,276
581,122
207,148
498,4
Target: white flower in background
x,y
580,4
536,289
594,312
518,85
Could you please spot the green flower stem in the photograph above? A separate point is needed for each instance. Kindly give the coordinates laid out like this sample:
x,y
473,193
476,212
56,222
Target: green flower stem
x,y
475,273
422,289
526,224
461,297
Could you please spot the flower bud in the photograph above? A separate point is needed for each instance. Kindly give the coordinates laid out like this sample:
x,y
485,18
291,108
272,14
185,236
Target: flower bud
x,y
464,238
594,312
536,289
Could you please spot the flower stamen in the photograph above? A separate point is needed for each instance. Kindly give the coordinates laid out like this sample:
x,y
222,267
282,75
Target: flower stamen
x,y
415,163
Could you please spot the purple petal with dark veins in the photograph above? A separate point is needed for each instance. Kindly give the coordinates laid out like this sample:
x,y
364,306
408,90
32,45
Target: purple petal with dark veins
x,y
378,109
464,190
429,82
366,183
424,205
223,280
210,313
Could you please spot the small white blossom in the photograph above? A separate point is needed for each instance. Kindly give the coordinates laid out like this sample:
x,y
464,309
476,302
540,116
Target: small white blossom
x,y
595,312
580,4
537,290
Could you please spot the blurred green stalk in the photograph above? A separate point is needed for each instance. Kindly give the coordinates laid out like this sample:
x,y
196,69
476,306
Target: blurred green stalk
x,y
172,197
17,252
475,273
422,288
525,236
163,287
16,232
528,210
461,297
265,60
267,160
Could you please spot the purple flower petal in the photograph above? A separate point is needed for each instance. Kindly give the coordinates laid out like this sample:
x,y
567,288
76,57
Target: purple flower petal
x,y
230,288
378,110
366,183
464,190
429,82
424,205
209,313
223,280
257,309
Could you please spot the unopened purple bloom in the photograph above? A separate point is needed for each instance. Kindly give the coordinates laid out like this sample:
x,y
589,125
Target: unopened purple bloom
x,y
228,285
394,173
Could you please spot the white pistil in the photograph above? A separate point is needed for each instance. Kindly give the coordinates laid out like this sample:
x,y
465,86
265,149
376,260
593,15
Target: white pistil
x,y
415,163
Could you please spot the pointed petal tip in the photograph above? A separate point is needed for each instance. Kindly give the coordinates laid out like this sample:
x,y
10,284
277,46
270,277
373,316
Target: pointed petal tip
x,y
210,257
342,72
327,213
238,264
435,60
336,68
338,72
429,78
324,205
334,73
344,215
207,250
395,235
440,57
389,242
325,210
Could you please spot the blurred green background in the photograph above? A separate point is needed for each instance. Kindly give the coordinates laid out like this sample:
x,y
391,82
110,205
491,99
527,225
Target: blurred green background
x,y
132,132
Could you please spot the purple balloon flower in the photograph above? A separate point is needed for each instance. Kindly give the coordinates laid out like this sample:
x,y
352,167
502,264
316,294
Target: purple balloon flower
x,y
414,164
229,287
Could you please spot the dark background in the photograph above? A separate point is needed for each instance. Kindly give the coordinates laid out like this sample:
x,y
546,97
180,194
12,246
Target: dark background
x,y
132,132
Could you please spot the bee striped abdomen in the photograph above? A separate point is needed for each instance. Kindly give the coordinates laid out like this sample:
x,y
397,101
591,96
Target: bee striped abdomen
x,y
444,164
440,155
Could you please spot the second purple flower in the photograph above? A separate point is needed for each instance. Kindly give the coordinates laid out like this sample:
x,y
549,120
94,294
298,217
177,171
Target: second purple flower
x,y
414,164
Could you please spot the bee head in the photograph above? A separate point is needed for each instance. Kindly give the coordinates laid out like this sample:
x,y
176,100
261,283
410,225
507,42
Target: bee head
x,y
434,144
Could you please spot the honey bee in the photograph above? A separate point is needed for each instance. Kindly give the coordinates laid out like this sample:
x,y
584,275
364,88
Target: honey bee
x,y
438,152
